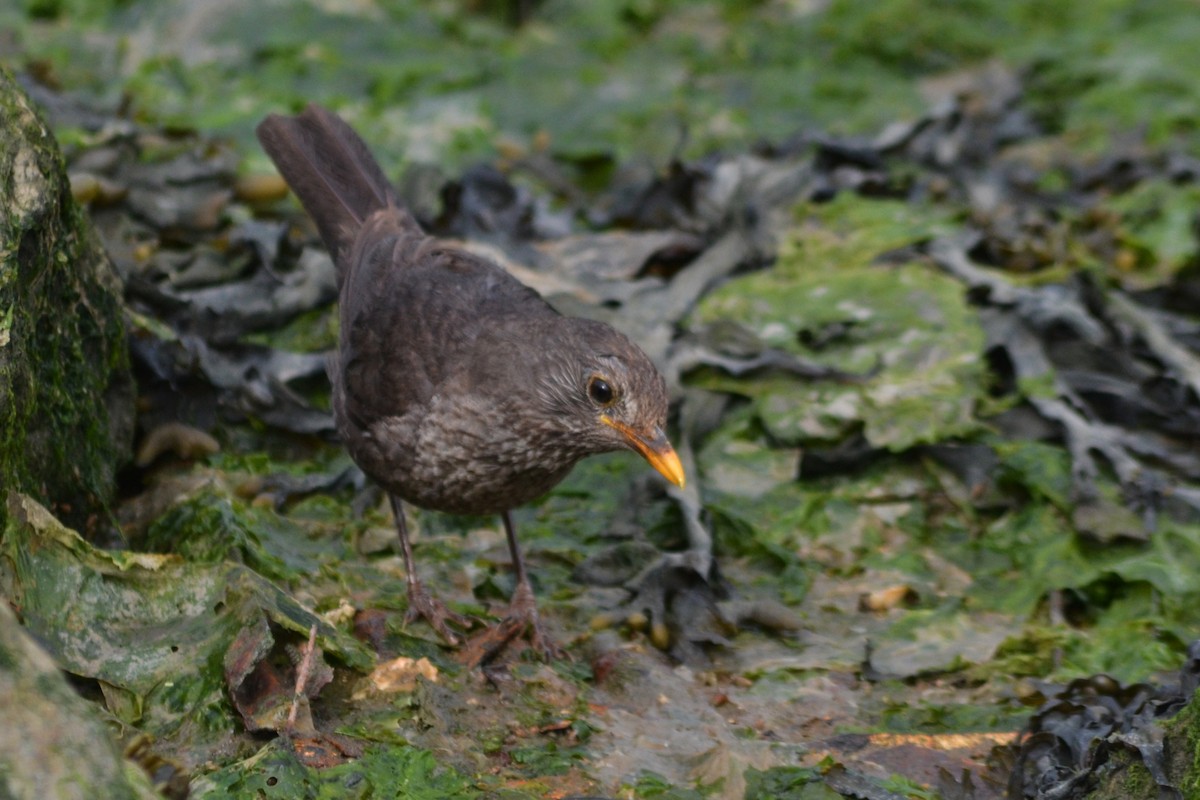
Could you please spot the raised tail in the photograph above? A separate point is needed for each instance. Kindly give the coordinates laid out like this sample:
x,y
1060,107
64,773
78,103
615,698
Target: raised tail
x,y
330,169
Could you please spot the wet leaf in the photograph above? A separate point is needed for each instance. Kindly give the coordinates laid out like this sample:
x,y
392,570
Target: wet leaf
x,y
212,527
54,742
152,628
940,640
828,301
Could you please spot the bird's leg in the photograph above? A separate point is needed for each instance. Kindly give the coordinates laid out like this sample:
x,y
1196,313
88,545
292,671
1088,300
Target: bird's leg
x,y
522,606
522,615
420,602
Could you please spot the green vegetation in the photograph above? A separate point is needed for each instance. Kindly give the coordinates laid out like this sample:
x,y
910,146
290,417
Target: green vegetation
x,y
438,82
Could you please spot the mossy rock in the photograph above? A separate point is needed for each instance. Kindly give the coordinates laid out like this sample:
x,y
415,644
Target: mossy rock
x,y
53,742
1128,775
66,392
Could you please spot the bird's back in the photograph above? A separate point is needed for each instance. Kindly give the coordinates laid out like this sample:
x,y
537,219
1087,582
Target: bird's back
x,y
414,313
411,308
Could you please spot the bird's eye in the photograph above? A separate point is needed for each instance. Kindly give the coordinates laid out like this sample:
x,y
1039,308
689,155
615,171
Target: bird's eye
x,y
600,391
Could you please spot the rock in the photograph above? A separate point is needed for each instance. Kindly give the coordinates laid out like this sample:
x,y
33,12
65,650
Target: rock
x,y
53,743
66,392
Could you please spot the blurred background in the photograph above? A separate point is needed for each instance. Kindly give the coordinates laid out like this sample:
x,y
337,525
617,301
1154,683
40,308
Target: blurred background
x,y
449,81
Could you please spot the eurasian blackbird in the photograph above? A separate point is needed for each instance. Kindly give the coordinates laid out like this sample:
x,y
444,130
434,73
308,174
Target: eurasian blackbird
x,y
456,387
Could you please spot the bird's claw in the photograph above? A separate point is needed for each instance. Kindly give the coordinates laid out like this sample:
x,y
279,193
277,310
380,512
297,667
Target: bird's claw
x,y
521,617
423,605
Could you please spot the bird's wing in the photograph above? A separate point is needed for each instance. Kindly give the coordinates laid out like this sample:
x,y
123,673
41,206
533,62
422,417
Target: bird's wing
x,y
414,315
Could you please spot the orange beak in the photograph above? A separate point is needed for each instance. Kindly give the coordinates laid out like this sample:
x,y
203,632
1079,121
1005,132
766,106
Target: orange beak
x,y
654,447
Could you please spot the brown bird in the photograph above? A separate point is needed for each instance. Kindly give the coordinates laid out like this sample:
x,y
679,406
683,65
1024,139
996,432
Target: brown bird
x,y
456,387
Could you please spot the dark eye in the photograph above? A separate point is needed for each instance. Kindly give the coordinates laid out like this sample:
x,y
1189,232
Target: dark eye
x,y
600,391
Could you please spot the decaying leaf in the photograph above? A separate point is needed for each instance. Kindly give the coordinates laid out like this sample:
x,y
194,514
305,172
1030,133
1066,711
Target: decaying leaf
x,y
152,629
401,674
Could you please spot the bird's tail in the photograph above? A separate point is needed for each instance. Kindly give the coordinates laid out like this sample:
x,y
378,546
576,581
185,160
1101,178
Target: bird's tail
x,y
330,169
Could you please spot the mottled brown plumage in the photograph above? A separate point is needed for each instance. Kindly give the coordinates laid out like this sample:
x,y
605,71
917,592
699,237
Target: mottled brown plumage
x,y
456,387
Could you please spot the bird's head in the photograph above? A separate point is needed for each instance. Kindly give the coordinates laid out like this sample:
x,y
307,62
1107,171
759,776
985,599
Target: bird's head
x,y
612,397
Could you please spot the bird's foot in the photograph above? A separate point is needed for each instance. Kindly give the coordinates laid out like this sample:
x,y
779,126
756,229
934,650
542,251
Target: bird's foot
x,y
521,617
423,605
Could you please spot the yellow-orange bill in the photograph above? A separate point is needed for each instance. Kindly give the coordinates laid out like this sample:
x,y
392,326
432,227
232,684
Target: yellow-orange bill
x,y
654,447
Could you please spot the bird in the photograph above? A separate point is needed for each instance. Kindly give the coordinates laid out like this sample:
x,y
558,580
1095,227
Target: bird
x,y
455,387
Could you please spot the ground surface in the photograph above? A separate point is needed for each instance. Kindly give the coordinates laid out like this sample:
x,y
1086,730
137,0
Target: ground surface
x,y
932,349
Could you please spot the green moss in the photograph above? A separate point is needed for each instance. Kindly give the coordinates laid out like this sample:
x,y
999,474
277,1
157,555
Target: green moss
x,y
311,332
1138,782
1126,778
652,785
1184,729
275,772
926,717
916,36
909,788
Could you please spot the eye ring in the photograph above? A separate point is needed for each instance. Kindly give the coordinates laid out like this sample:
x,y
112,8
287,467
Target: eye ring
x,y
601,391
